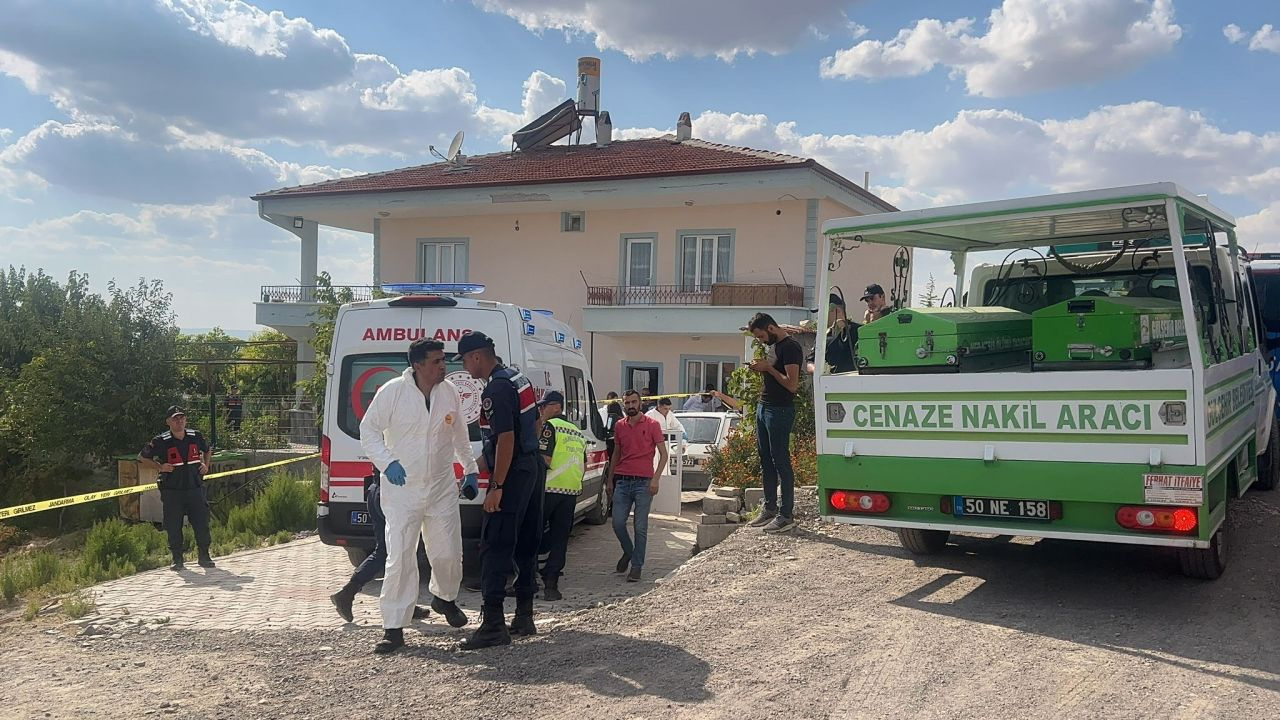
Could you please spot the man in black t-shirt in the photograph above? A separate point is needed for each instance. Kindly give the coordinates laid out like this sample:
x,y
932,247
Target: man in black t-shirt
x,y
775,418
182,457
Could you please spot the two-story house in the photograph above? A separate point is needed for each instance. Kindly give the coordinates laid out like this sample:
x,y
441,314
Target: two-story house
x,y
658,250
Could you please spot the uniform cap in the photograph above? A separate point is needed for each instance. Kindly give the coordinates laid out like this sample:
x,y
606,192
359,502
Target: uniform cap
x,y
553,397
872,289
174,411
474,341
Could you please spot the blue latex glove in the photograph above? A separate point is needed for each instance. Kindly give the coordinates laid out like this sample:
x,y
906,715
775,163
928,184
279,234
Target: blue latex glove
x,y
471,486
394,473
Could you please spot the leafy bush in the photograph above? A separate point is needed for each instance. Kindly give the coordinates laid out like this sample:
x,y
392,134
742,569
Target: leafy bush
x,y
78,604
10,537
286,504
22,573
112,545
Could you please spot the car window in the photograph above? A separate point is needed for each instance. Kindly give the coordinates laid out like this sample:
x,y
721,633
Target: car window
x,y
701,429
362,375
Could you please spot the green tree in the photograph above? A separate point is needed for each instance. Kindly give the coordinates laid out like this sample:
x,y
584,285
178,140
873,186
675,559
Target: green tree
x,y
96,383
268,379
213,345
929,298
329,299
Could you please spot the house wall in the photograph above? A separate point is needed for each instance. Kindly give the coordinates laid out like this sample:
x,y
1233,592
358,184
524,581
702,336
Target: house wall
x,y
539,266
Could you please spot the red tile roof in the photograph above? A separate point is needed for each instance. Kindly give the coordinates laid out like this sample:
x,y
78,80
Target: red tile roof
x,y
621,160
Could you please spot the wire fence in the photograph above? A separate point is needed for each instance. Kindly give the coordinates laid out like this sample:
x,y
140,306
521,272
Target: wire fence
x,y
260,422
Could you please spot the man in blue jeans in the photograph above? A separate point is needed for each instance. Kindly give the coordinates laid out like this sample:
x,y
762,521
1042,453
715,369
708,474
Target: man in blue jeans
x,y
633,479
376,561
775,418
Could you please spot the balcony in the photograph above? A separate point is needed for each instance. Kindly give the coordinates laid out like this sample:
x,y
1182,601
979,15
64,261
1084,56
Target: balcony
x,y
293,306
720,294
682,309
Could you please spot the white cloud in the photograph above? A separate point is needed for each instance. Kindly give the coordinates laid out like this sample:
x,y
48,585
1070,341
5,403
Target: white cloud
x,y
1260,232
213,257
231,69
989,154
675,28
1029,46
541,93
1266,38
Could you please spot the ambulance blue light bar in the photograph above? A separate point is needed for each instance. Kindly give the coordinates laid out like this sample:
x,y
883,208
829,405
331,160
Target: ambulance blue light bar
x,y
434,288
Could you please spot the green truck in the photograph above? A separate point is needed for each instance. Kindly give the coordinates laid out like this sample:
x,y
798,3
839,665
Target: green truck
x,y
1103,378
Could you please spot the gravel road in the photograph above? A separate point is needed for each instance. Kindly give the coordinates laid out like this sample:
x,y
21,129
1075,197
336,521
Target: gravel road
x,y
831,621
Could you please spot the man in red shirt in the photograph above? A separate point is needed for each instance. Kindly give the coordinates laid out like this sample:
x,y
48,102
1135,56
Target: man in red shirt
x,y
633,479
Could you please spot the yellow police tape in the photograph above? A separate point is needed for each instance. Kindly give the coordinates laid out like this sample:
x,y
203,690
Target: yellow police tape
x,y
43,505
650,397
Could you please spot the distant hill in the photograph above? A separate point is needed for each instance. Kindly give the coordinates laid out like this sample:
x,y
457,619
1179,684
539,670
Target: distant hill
x,y
242,334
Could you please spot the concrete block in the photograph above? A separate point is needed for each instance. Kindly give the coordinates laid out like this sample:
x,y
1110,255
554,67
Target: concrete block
x,y
709,535
705,519
753,497
716,505
732,518
729,492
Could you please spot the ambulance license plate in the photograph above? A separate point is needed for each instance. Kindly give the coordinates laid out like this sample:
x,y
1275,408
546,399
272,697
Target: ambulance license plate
x,y
1000,508
359,517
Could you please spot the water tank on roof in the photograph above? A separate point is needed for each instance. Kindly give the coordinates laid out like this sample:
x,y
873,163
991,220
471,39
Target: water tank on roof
x,y
588,85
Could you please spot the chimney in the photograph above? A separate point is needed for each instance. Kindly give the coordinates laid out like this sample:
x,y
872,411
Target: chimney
x,y
684,128
604,129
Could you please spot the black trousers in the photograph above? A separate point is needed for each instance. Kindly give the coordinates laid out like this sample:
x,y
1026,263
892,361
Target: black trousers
x,y
189,503
511,536
557,517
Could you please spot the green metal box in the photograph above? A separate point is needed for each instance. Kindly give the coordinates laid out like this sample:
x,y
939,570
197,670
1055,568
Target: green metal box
x,y
933,340
1105,332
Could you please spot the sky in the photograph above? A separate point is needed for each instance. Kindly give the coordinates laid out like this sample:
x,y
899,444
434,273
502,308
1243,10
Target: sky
x,y
132,133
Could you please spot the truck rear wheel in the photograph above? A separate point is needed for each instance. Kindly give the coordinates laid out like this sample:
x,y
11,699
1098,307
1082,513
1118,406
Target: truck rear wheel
x,y
923,542
1205,563
1269,461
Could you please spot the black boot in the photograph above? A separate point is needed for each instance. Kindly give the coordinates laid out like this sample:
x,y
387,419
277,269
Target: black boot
x,y
342,600
205,561
492,631
177,565
522,623
392,640
450,610
551,591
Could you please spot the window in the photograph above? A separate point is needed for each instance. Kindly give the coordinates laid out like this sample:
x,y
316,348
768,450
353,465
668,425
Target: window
x,y
362,375
575,398
639,262
573,221
705,259
443,261
641,377
700,373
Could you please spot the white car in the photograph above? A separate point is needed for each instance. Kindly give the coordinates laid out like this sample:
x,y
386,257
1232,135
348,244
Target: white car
x,y
703,431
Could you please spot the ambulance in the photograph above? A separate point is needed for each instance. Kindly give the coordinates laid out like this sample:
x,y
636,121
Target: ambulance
x,y
370,343
1105,377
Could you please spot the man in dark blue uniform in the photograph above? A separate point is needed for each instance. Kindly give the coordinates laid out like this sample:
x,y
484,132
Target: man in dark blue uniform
x,y
513,505
182,457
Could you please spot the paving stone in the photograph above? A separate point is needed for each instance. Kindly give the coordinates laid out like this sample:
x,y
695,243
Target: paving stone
x,y
732,518
716,505
729,492
753,497
709,535
705,519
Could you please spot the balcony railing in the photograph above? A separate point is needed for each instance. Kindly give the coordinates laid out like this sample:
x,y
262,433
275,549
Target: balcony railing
x,y
723,294
307,293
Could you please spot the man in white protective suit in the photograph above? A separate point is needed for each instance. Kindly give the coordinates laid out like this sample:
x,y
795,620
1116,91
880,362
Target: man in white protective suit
x,y
414,432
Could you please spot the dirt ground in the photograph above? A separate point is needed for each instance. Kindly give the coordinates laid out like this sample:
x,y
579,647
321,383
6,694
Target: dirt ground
x,y
832,621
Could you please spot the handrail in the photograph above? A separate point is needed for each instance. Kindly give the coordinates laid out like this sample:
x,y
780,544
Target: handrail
x,y
307,293
722,294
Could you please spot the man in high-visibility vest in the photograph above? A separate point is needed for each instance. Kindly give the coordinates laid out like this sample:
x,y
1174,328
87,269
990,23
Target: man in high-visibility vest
x,y
564,449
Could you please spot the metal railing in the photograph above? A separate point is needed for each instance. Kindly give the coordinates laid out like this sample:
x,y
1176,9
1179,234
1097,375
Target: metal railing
x,y
307,293
724,294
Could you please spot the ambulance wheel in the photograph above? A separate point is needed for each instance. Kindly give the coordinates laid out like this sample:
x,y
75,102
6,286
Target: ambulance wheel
x,y
923,542
356,555
1269,461
1205,563
599,513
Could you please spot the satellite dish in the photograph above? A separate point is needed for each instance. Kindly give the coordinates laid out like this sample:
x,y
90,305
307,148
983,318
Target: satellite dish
x,y
455,146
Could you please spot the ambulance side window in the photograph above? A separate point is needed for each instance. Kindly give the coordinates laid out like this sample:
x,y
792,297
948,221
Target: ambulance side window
x,y
575,397
593,413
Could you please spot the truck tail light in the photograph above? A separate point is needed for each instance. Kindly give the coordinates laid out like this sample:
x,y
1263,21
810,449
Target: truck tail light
x,y
1149,518
855,501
